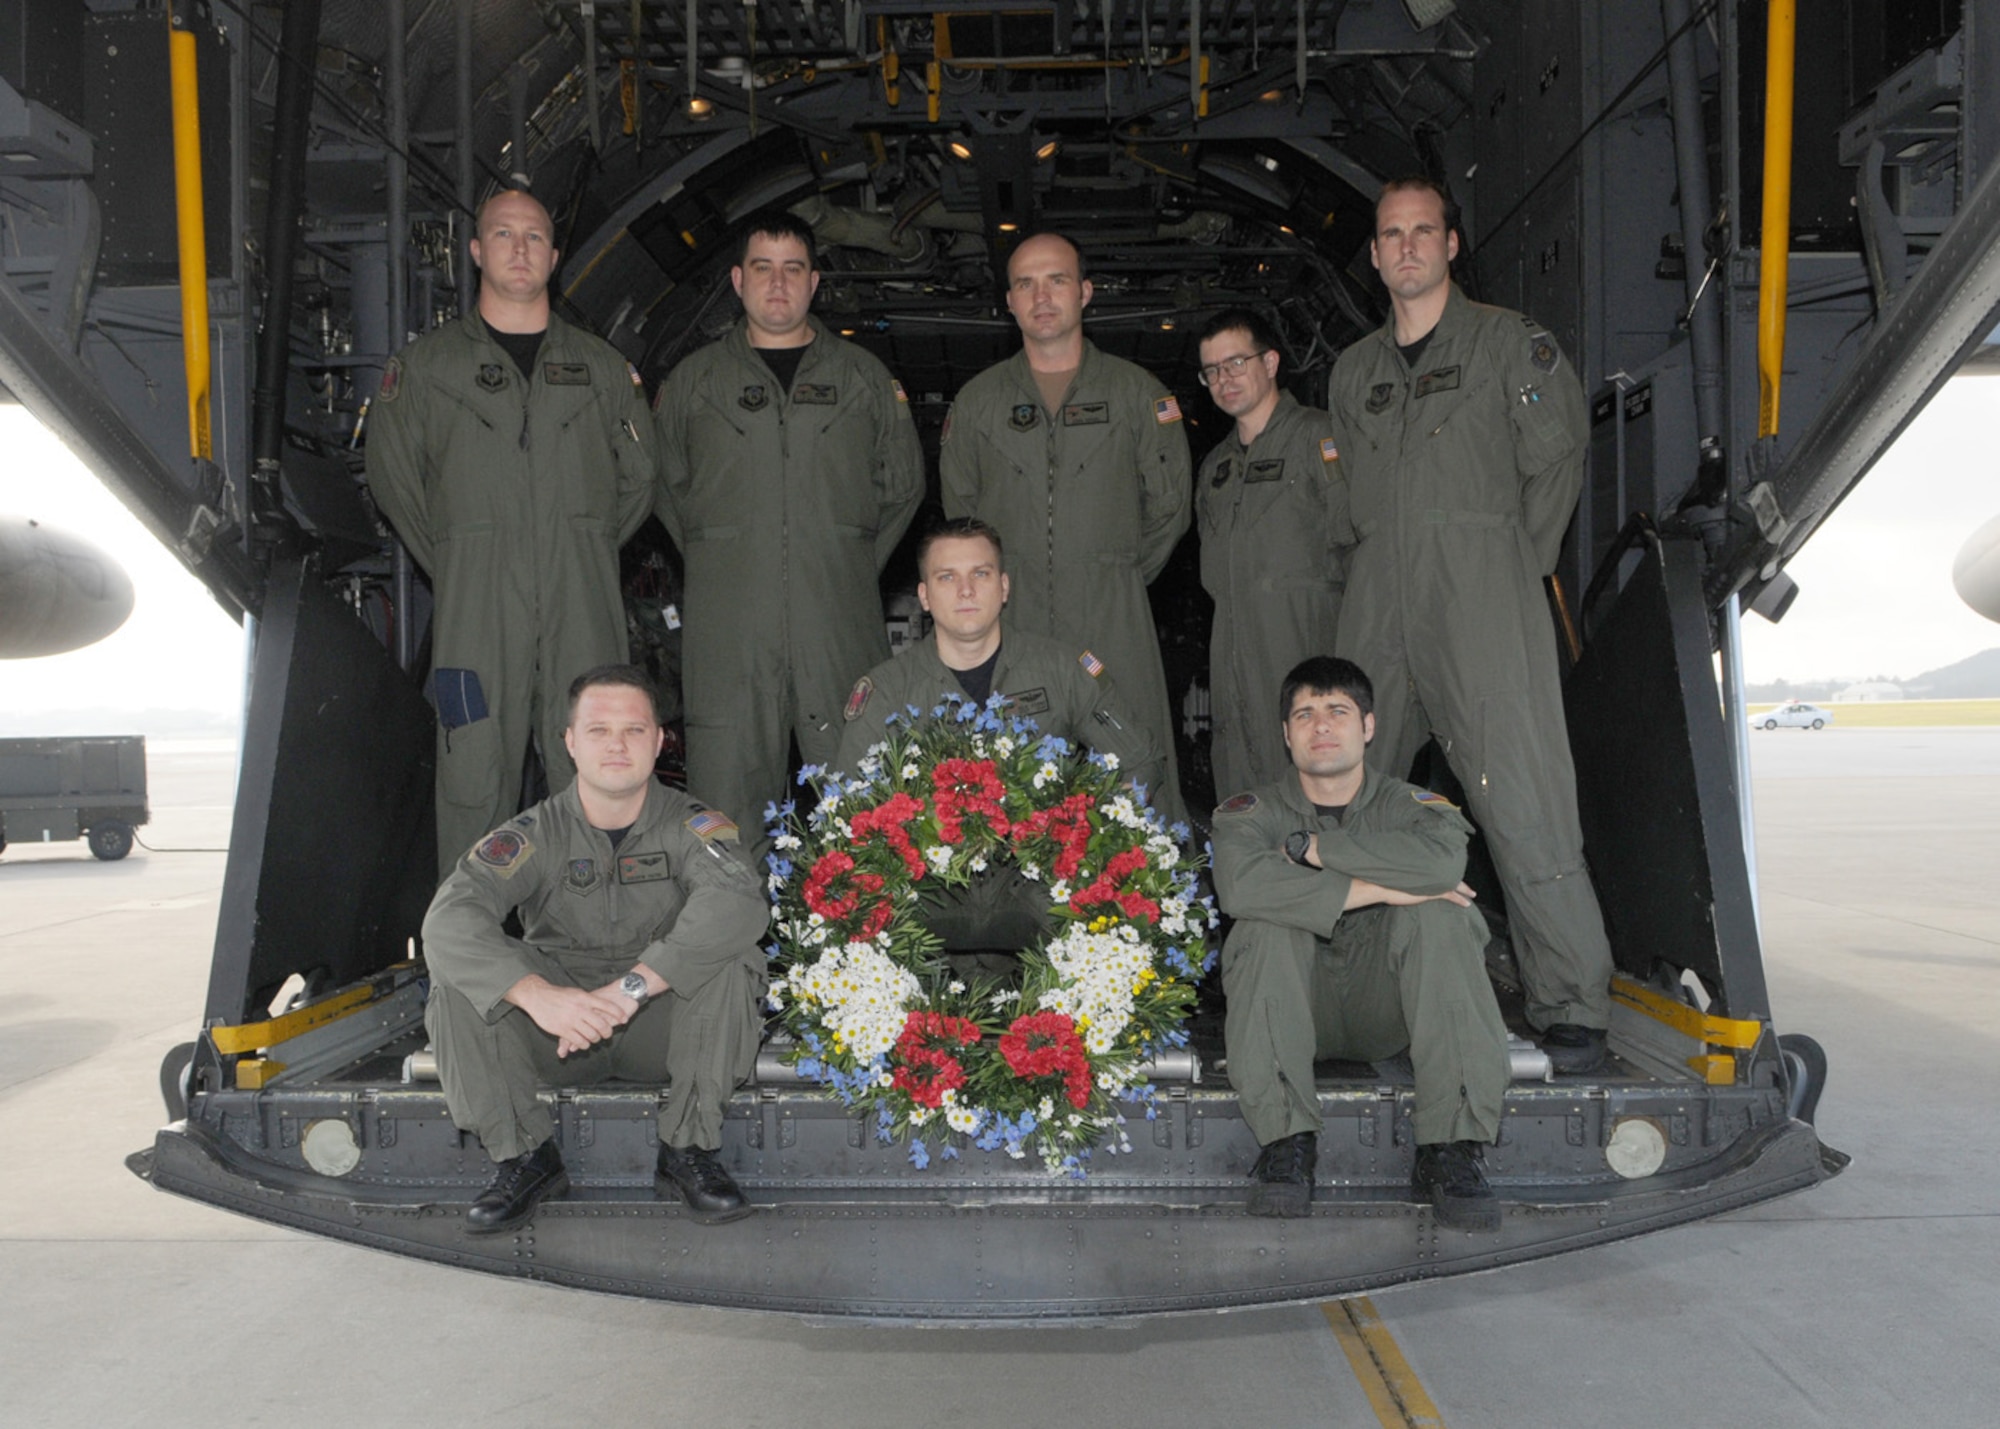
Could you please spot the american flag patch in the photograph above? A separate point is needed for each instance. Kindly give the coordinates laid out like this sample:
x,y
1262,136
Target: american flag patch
x,y
1430,797
901,395
637,380
1166,410
1328,452
709,824
1090,662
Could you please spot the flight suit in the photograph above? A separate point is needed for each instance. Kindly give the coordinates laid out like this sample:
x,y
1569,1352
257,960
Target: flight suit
x,y
787,505
1267,515
515,494
1067,693
1462,477
677,894
1090,501
1305,980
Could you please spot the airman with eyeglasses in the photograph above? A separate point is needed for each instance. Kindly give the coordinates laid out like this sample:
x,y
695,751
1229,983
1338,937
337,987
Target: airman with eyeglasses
x,y
1269,501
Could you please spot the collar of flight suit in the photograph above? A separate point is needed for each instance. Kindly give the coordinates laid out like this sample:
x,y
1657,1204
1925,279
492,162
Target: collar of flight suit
x,y
1023,375
737,340
1457,308
1293,795
1286,412
555,339
652,814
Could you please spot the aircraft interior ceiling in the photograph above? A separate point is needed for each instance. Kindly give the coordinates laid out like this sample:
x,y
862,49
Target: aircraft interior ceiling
x,y
1606,163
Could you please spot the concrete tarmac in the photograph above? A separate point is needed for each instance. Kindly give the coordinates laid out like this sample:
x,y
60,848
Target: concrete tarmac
x,y
1869,1301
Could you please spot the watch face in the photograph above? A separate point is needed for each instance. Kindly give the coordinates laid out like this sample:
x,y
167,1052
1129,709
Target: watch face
x,y
633,986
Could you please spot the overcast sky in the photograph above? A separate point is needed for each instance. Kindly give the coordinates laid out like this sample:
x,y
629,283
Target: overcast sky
x,y
1875,598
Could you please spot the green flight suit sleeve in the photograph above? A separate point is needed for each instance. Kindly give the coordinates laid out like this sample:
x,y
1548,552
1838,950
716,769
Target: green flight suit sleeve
x,y
670,456
1110,727
901,475
464,946
724,916
1166,489
1420,849
631,437
398,470
1339,500
958,461
1254,879
1549,433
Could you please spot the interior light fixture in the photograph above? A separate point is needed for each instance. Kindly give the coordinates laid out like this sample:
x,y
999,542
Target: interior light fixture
x,y
699,108
960,148
1272,96
1048,150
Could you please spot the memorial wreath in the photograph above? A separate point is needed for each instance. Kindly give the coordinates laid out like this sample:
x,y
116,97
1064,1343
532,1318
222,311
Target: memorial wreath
x,y
1041,1065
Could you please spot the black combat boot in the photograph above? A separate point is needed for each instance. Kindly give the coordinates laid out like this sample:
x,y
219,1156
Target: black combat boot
x,y
521,1183
1573,1050
1451,1177
696,1177
1284,1177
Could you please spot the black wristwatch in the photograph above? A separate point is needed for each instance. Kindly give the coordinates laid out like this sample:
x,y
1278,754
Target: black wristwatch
x,y
1296,844
633,985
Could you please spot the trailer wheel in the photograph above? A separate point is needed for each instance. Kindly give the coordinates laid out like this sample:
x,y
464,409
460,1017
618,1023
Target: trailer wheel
x,y
111,840
1805,1065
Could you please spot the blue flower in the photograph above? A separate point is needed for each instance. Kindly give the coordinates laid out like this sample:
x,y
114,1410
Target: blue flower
x,y
810,772
949,1151
920,1156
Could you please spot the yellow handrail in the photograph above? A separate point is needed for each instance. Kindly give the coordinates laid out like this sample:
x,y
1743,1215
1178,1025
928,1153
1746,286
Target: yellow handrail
x,y
193,233
1773,287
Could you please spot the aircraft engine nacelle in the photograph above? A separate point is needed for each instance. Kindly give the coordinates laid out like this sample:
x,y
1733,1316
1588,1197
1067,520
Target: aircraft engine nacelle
x,y
57,591
1975,574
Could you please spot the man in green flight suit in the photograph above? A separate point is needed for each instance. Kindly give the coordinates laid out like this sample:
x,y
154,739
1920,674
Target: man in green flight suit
x,y
507,450
1066,691
789,469
1268,502
1079,460
637,959
1355,938
1461,433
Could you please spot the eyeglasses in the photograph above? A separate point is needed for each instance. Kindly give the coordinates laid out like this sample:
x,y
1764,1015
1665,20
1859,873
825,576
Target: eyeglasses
x,y
1233,366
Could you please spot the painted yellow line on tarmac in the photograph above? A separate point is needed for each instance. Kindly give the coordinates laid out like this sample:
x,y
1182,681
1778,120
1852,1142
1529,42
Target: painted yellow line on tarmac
x,y
1386,1378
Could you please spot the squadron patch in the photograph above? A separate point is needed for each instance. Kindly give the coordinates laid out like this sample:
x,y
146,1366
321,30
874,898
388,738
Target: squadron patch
x,y
1223,471
1543,352
1086,414
1380,396
1022,417
711,824
392,381
1091,663
582,875
816,394
644,868
857,699
1273,470
1237,804
754,399
1328,452
566,374
1166,410
1445,379
492,376
1431,799
502,849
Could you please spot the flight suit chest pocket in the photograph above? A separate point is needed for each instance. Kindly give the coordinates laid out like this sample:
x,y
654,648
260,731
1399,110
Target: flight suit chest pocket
x,y
644,868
